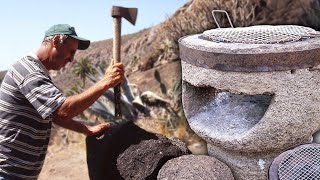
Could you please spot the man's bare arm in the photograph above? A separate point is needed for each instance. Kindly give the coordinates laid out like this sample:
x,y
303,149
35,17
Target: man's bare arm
x,y
76,104
81,128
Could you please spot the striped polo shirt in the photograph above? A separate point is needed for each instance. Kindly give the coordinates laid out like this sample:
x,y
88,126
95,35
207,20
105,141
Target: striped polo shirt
x,y
28,99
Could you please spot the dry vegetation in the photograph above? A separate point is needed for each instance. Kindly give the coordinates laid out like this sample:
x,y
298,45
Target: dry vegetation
x,y
156,48
195,17
158,45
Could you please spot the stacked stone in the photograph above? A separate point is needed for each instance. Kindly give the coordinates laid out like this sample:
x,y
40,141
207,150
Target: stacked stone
x,y
251,102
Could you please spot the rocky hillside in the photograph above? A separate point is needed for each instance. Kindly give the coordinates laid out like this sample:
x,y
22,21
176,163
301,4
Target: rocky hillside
x,y
157,47
194,17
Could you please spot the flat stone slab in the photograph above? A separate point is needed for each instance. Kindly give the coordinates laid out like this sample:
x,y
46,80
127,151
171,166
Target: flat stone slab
x,y
191,167
249,57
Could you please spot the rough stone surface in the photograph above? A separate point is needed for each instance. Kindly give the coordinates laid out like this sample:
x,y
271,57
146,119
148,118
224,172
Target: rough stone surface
x,y
244,165
251,102
128,152
191,167
249,57
291,118
316,137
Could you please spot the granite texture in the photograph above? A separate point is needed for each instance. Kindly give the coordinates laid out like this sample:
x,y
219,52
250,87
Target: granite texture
x,y
191,167
250,57
251,102
291,118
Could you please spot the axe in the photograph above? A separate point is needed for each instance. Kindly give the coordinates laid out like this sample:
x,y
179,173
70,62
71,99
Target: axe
x,y
117,13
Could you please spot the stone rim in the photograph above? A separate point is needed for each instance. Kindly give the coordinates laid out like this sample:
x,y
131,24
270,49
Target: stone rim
x,y
279,61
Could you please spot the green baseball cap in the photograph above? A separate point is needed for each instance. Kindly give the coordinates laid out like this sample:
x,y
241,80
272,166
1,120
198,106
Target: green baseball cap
x,y
69,31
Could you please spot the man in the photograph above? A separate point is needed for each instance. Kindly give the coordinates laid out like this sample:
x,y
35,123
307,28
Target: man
x,y
30,102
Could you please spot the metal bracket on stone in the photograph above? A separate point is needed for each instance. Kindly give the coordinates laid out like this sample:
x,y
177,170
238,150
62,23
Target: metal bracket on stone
x,y
215,19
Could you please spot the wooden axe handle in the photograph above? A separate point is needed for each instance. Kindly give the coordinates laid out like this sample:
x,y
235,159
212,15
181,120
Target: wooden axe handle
x,y
117,38
116,57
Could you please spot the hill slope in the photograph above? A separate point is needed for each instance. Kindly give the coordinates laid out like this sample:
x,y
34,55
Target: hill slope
x,y
158,46
156,49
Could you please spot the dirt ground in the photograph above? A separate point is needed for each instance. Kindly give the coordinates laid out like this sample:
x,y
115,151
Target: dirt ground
x,y
66,156
66,160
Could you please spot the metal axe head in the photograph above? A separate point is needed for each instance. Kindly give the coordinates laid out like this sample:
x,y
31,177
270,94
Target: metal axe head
x,y
129,14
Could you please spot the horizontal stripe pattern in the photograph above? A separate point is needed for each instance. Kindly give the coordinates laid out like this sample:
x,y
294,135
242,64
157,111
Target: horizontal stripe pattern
x,y
11,91
28,98
25,129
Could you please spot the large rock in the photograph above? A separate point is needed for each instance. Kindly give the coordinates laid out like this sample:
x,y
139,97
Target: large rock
x,y
129,152
191,167
250,102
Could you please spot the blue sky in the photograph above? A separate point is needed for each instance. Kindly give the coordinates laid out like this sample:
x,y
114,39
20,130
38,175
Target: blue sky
x,y
23,22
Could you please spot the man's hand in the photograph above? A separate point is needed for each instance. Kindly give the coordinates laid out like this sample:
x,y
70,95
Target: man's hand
x,y
94,130
114,74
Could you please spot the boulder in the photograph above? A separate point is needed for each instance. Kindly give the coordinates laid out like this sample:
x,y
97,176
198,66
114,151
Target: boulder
x,y
251,101
192,167
129,152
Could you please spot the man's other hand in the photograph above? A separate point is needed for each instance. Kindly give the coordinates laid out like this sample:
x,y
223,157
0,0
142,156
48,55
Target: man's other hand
x,y
95,130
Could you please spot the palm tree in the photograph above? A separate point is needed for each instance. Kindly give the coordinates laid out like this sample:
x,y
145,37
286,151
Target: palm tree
x,y
83,68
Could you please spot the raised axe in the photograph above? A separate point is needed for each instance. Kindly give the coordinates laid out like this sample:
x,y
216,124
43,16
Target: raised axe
x,y
117,13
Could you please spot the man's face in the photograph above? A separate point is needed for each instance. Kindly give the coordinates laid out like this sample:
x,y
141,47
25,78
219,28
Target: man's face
x,y
64,52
